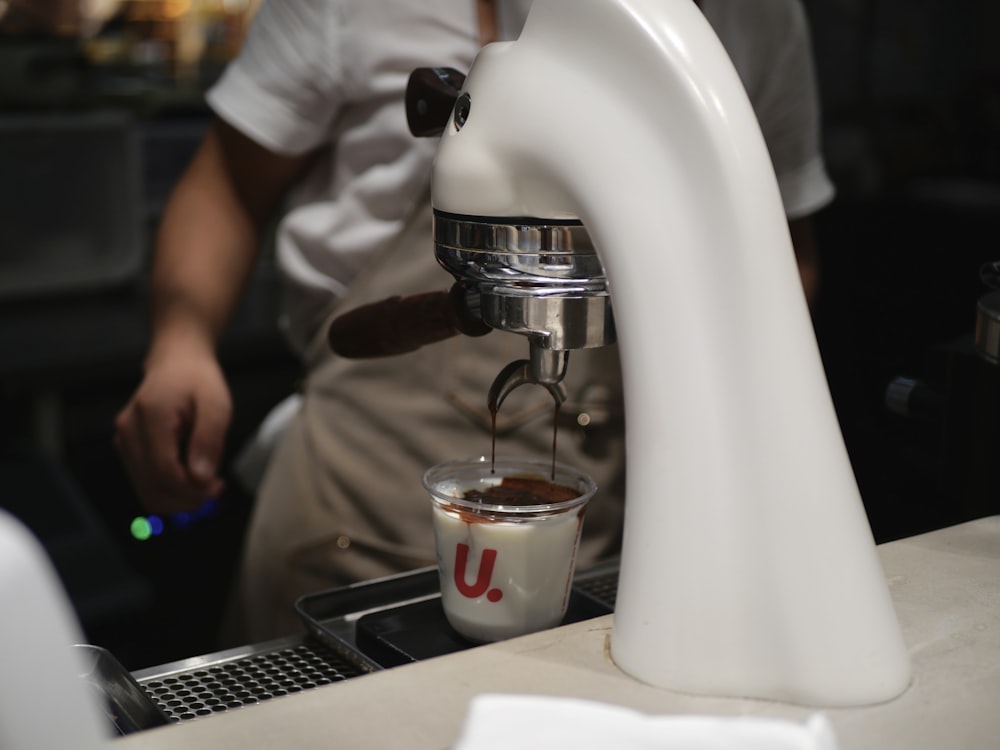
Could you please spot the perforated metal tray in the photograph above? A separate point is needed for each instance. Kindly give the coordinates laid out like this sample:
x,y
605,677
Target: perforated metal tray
x,y
206,685
227,680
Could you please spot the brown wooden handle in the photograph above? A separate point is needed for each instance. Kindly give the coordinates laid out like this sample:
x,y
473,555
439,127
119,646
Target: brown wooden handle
x,y
398,325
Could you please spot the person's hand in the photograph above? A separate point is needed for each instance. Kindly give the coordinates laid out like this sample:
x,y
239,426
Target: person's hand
x,y
171,433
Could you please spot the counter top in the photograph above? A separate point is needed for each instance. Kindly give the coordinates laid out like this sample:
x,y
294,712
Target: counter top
x,y
945,586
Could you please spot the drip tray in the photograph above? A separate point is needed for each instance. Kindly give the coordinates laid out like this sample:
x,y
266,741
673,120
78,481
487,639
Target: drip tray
x,y
208,685
399,620
420,631
351,631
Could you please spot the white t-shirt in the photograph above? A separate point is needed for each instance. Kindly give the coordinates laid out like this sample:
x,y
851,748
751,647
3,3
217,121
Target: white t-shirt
x,y
769,44
330,75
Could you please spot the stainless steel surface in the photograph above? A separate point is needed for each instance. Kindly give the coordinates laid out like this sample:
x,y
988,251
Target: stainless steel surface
x,y
599,582
542,279
548,365
553,320
227,680
126,705
518,373
214,683
544,252
332,617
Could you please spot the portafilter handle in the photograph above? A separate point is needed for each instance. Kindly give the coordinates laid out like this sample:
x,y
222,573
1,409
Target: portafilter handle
x,y
399,325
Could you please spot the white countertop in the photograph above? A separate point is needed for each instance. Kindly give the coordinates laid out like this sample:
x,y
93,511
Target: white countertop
x,y
945,586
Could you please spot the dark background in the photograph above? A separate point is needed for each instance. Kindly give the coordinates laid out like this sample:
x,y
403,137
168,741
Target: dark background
x,y
911,110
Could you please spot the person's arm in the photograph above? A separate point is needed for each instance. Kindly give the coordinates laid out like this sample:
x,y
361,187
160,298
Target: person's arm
x,y
807,256
170,434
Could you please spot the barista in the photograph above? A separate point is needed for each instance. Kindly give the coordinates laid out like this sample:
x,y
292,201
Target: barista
x,y
310,121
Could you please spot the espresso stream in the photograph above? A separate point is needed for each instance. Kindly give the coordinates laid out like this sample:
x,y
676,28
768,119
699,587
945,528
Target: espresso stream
x,y
523,490
493,452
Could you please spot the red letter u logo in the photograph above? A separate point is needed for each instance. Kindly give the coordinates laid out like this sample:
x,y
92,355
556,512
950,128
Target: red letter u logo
x,y
482,578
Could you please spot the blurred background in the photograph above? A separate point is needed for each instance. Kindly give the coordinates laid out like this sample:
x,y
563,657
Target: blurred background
x,y
101,107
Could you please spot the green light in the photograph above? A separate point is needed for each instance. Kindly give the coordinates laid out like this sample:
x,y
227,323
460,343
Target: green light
x,y
141,528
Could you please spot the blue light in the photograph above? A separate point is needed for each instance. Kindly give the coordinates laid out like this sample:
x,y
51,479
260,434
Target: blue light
x,y
143,528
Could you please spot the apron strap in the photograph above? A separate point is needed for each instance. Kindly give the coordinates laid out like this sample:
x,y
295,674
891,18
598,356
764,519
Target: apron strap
x,y
487,13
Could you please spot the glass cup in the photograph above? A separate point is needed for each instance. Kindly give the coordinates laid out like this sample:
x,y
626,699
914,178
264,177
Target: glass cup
x,y
506,542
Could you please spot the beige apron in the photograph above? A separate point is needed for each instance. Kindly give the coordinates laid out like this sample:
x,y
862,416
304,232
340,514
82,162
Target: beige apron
x,y
342,499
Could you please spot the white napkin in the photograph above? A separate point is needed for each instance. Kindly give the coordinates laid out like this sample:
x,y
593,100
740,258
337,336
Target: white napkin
x,y
526,722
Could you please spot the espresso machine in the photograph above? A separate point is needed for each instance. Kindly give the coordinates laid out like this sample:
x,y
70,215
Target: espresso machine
x,y
603,178
43,701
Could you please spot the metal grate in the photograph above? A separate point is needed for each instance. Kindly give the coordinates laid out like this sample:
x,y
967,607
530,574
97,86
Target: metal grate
x,y
208,690
602,587
192,691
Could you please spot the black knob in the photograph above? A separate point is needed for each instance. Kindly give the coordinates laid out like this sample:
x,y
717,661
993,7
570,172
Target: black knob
x,y
430,96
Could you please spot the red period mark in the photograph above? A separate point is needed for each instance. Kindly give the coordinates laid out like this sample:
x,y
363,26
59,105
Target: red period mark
x,y
482,584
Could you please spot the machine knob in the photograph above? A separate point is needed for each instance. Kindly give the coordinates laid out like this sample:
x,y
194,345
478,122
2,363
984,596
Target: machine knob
x,y
911,398
431,94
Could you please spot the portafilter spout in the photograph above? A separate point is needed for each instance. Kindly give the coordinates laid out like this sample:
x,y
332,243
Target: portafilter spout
x,y
518,373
